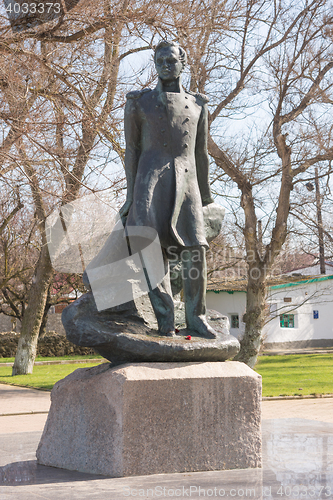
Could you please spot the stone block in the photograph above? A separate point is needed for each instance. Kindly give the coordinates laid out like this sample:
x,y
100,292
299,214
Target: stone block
x,y
153,418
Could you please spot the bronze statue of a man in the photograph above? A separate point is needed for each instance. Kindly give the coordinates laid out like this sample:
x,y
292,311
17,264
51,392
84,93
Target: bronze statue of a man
x,y
167,171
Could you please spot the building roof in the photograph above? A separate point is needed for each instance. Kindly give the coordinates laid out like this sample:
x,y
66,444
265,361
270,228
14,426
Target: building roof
x,y
274,282
227,285
312,270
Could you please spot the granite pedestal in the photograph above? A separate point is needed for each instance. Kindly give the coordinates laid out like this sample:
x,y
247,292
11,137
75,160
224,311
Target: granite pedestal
x,y
153,418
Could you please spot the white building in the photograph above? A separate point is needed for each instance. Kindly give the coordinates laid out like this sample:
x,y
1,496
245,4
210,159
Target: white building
x,y
313,270
300,311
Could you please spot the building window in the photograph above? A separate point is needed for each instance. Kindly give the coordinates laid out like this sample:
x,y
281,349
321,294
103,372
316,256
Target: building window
x,y
287,321
234,321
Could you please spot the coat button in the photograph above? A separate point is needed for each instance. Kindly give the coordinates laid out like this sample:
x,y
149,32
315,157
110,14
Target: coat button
x,y
165,144
157,105
160,117
185,145
186,107
186,170
186,120
186,132
162,130
186,97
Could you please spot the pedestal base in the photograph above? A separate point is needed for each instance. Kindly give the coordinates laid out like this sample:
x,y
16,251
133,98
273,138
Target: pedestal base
x,y
152,418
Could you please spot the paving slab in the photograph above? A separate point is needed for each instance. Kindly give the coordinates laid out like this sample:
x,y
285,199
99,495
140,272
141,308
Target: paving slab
x,y
15,399
297,463
320,409
22,423
297,459
18,447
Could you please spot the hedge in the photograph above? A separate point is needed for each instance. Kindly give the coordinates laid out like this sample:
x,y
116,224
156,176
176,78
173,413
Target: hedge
x,y
51,345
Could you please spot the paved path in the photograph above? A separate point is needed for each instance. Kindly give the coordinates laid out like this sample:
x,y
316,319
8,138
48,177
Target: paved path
x,y
293,455
25,410
22,400
16,407
320,409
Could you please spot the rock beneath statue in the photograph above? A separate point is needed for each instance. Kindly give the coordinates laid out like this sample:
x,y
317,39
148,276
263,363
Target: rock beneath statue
x,y
128,333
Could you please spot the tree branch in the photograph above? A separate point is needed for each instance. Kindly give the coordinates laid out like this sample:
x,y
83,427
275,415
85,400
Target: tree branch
x,y
308,96
312,161
240,84
10,216
225,163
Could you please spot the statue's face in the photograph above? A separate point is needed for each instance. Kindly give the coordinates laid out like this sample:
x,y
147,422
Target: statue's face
x,y
167,63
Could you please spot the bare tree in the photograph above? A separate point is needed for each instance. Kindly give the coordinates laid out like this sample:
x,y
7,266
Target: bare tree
x,y
266,65
274,61
62,98
16,253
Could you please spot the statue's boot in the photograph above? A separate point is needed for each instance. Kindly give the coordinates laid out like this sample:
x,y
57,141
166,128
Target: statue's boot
x,y
195,283
162,303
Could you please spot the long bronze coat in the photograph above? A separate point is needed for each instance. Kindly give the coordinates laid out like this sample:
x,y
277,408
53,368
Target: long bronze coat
x,y
167,164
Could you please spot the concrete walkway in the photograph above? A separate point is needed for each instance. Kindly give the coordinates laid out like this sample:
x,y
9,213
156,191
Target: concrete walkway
x,y
22,409
297,449
320,409
25,410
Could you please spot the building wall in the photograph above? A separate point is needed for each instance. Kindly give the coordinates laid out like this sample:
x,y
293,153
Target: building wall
x,y
305,299
53,324
6,324
229,303
312,270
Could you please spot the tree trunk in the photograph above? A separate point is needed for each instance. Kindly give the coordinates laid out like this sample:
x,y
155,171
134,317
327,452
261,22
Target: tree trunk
x,y
42,330
33,316
254,318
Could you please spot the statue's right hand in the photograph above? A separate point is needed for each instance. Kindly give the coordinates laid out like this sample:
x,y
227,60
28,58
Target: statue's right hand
x,y
125,208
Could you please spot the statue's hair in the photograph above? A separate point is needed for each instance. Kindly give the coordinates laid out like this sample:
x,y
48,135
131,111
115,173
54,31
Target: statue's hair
x,y
166,43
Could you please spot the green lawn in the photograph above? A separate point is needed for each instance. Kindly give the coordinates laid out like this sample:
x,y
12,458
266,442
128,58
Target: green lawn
x,y
282,375
43,377
57,358
292,374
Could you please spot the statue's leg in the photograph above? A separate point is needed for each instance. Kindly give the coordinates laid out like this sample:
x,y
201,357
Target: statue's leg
x,y
162,303
195,283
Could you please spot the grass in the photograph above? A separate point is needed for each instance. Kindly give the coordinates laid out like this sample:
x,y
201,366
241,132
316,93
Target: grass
x,y
57,358
43,377
287,375
294,375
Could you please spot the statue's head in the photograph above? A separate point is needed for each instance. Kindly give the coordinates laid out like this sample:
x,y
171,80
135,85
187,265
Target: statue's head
x,y
170,60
